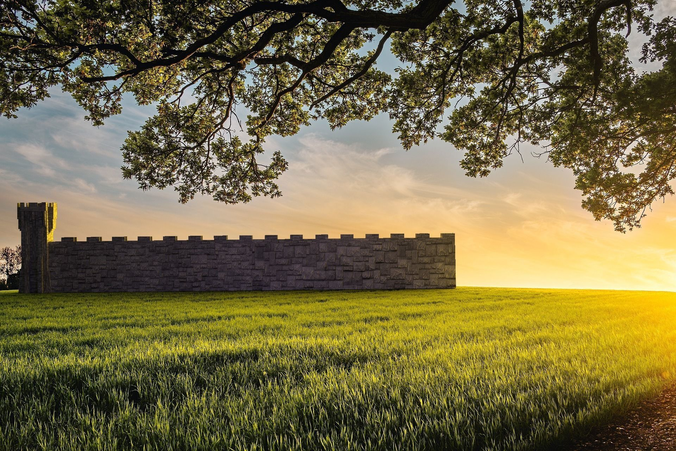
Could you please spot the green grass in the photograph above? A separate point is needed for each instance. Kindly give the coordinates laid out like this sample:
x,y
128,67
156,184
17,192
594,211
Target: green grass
x,y
465,369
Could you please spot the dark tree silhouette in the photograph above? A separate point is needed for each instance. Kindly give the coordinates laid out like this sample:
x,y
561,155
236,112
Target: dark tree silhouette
x,y
549,72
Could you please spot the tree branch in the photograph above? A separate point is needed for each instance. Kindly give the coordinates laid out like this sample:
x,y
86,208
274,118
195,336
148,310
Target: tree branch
x,y
593,34
359,74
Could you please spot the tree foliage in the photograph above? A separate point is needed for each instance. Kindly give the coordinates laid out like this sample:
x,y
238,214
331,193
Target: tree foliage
x,y
483,75
10,262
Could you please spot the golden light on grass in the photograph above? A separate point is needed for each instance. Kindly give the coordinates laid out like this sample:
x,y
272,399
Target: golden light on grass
x,y
472,367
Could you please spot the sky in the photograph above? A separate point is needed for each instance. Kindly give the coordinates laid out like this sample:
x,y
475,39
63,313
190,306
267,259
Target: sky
x,y
520,227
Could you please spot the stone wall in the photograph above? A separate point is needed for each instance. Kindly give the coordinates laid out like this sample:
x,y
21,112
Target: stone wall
x,y
222,264
248,264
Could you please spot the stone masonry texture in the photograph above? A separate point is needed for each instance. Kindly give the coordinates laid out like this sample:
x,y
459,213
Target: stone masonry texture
x,y
244,264
37,222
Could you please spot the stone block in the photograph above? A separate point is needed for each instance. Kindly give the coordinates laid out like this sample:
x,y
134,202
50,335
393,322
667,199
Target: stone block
x,y
198,260
97,260
418,283
329,259
379,256
321,285
444,249
398,274
345,261
288,252
361,266
300,251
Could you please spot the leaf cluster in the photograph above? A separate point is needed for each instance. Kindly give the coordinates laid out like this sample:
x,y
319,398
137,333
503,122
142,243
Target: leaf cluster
x,y
483,75
10,261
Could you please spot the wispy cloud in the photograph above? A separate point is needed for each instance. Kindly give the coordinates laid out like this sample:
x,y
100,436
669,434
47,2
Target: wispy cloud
x,y
42,160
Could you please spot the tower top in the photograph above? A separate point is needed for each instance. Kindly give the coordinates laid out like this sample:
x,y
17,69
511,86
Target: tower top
x,y
31,208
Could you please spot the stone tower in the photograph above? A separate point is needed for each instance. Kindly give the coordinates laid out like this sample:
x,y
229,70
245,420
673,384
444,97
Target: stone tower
x,y
37,222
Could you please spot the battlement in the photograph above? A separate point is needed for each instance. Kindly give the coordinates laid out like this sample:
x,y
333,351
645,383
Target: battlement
x,y
245,263
30,214
370,236
36,205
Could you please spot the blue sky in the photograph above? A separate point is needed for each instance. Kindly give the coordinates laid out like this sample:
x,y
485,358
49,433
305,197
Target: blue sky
x,y
522,226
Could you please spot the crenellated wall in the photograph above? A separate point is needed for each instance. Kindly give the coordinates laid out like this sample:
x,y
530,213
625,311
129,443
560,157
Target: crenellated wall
x,y
223,264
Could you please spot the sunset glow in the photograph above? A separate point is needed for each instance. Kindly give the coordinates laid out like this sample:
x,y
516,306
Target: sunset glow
x,y
520,227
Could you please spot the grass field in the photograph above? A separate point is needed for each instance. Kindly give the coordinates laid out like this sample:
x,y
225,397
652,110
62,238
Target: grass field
x,y
465,369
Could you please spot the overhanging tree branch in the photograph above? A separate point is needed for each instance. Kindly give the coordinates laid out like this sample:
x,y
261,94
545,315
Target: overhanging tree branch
x,y
549,71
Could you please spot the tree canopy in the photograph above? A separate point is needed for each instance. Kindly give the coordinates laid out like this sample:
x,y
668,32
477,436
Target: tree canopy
x,y
10,262
483,75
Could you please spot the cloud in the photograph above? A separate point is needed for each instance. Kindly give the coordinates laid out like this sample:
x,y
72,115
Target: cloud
x,y
43,161
361,172
522,226
52,169
84,186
